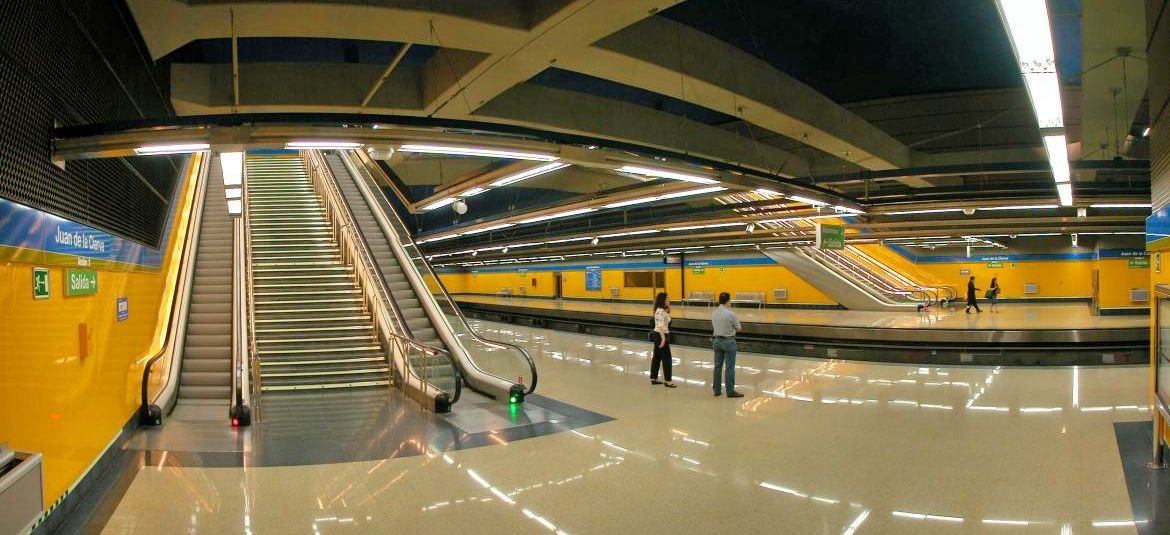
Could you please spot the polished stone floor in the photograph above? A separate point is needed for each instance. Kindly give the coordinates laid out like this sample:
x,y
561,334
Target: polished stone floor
x,y
1010,316
815,446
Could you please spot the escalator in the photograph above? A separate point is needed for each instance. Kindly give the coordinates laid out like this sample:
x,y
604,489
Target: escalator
x,y
206,369
495,369
846,290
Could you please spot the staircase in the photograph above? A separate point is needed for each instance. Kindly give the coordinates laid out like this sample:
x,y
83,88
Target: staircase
x,y
206,373
436,369
312,329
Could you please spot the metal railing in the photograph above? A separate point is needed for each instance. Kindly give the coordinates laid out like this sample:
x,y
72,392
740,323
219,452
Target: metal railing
x,y
902,289
399,346
459,333
242,348
249,361
150,412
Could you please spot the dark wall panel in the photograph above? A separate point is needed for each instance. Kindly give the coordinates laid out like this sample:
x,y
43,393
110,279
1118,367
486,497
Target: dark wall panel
x,y
72,62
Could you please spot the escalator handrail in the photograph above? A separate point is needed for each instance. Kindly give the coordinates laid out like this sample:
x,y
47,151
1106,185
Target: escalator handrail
x,y
407,239
368,268
177,324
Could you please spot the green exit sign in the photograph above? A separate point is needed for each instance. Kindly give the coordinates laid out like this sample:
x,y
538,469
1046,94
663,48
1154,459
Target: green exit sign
x,y
40,283
80,282
995,264
698,270
1139,262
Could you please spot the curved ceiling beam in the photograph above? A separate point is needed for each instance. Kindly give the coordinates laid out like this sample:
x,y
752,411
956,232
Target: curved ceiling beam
x,y
480,61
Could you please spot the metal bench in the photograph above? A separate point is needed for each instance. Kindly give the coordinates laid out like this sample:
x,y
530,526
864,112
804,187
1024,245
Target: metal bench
x,y
749,298
699,297
614,293
504,292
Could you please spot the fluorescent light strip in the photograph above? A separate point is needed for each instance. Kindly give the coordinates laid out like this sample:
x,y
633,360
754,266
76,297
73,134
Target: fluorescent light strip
x,y
568,240
472,192
439,204
181,148
322,144
529,173
768,193
1024,207
437,238
634,233
473,151
1057,149
232,165
927,211
487,229
662,173
1031,34
570,213
828,216
807,200
675,195
1064,191
1044,90
1121,205
712,225
529,244
848,210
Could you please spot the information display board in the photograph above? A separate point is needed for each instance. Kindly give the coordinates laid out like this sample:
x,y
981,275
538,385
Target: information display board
x,y
593,280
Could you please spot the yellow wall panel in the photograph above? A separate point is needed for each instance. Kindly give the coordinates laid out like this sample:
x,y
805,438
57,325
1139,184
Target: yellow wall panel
x,y
1054,278
1117,279
56,401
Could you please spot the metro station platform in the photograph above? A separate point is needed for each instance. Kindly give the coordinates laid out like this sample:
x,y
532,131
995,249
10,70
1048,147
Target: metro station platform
x,y
1032,334
944,450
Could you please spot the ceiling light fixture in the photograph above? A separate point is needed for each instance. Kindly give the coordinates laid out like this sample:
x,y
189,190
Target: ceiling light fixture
x,y
662,173
439,203
472,192
568,240
323,144
848,210
1121,205
232,165
474,151
696,227
675,195
632,233
181,148
1146,132
1030,29
926,211
559,215
1022,207
768,193
807,200
1057,150
529,173
487,229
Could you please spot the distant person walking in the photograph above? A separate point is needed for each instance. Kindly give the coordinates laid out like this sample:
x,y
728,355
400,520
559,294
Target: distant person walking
x,y
661,338
725,324
971,289
993,294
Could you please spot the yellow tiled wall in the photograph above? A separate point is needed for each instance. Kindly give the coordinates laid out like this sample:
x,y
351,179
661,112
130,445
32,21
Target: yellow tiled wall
x,y
54,400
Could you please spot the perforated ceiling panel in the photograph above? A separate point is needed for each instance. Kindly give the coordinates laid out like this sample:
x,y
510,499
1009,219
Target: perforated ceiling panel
x,y
71,62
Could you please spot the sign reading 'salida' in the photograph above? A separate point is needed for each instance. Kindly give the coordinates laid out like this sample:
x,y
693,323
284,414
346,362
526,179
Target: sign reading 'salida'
x,y
80,282
830,236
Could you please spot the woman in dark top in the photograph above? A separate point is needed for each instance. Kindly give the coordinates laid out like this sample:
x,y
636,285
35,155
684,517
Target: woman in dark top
x,y
993,294
971,289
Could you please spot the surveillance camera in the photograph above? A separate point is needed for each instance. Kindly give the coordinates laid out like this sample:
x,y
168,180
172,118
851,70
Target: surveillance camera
x,y
968,211
593,241
459,206
1012,236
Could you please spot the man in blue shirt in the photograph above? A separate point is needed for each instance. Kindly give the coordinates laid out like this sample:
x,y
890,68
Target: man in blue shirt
x,y
725,326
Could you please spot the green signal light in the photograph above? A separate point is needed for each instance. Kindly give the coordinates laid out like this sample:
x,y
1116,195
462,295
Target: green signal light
x,y
514,398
